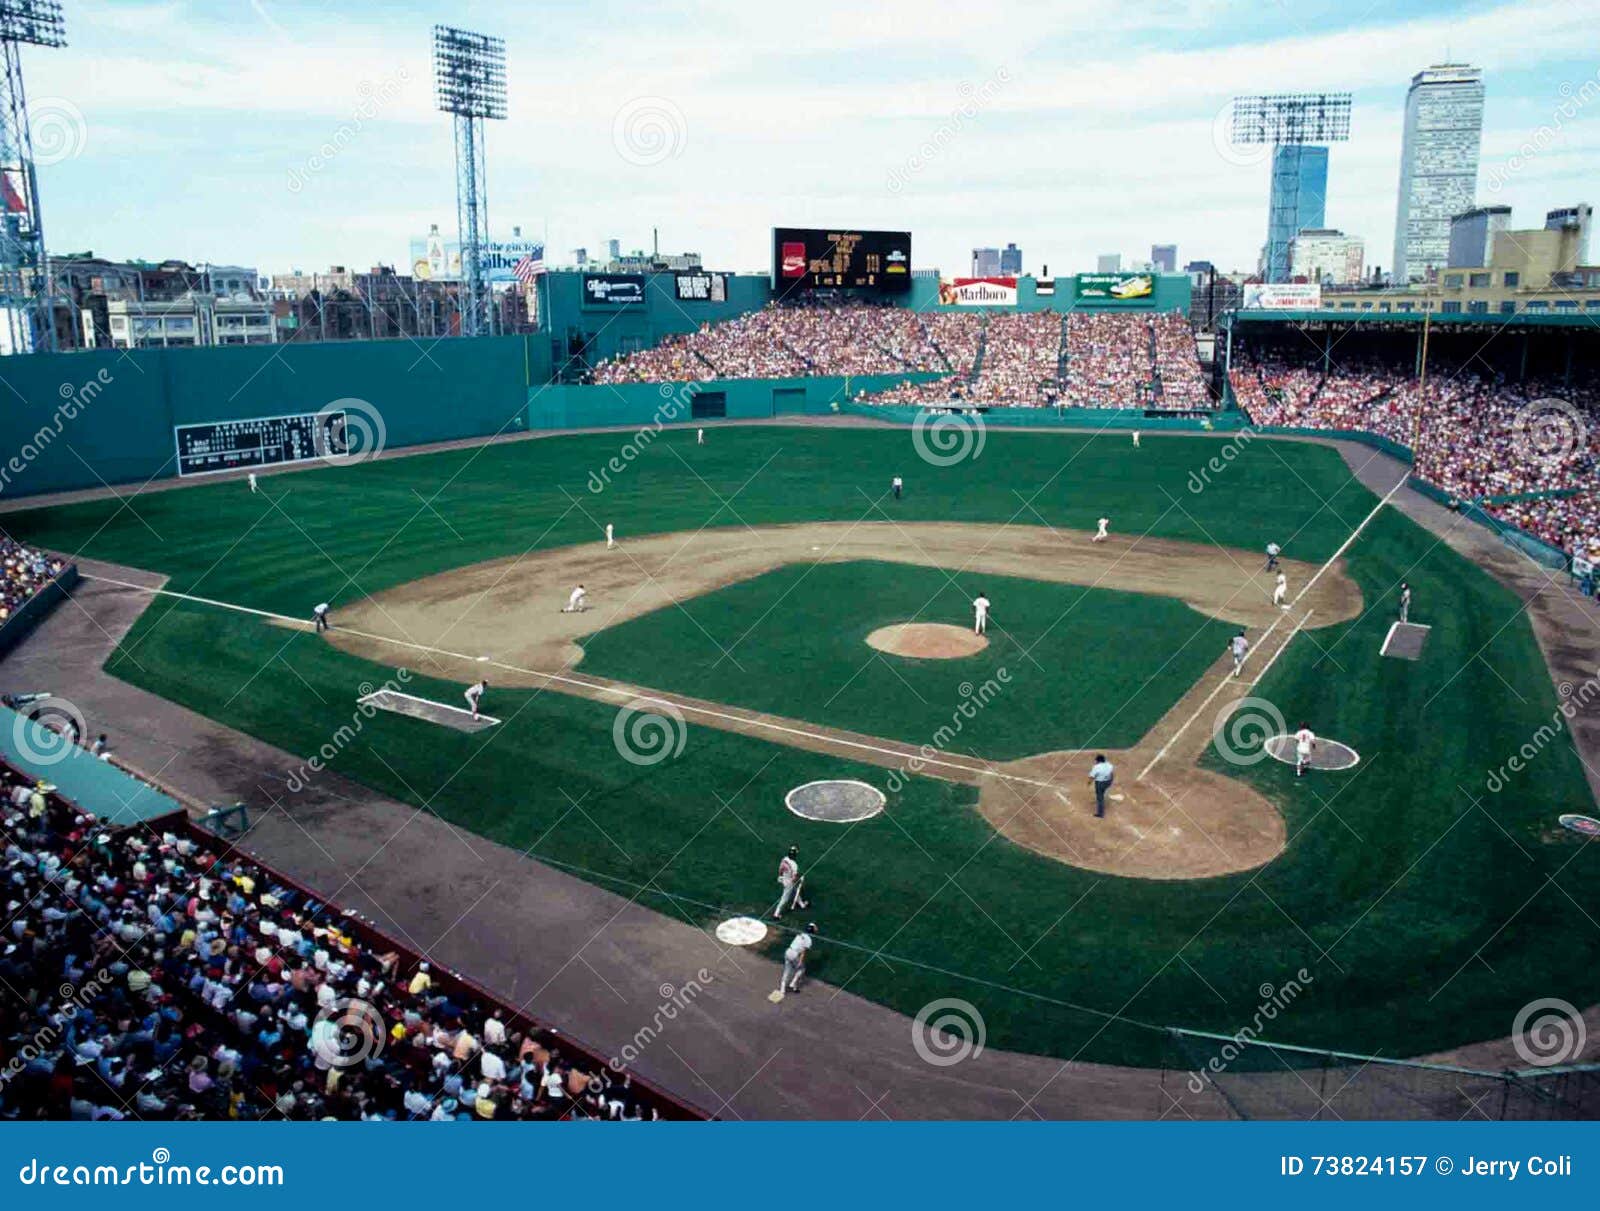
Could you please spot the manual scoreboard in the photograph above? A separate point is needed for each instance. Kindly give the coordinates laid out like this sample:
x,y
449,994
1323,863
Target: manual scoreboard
x,y
261,441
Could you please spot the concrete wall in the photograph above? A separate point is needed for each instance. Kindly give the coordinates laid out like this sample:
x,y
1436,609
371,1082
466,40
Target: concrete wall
x,y
635,404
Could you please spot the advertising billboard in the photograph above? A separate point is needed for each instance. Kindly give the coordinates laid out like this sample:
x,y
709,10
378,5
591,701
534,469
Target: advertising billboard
x,y
1117,287
436,259
814,258
977,292
613,291
1282,296
699,287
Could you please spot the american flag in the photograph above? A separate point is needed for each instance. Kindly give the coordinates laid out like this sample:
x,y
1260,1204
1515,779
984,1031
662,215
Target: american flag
x,y
529,267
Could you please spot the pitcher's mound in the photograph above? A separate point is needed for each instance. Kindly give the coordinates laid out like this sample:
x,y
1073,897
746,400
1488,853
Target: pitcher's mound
x,y
927,640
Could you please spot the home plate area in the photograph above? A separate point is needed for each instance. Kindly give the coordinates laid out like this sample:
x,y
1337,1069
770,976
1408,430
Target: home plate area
x,y
1405,641
427,709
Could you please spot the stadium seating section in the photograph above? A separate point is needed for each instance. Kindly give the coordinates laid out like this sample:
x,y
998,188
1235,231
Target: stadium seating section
x,y
153,973
1474,434
1020,359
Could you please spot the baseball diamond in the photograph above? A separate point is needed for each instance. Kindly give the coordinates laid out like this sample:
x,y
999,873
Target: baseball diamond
x,y
1035,645
652,744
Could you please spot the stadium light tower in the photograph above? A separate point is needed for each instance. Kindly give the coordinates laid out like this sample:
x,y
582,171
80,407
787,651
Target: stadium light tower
x,y
24,267
469,73
1295,125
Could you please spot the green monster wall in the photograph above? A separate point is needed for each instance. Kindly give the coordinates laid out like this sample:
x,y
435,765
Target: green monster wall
x,y
80,420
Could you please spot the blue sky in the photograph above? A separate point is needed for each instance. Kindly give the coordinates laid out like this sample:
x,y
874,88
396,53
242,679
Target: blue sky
x,y
286,134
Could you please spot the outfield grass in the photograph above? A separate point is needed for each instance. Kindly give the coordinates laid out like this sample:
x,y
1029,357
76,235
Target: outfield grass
x,y
1425,920
333,533
794,642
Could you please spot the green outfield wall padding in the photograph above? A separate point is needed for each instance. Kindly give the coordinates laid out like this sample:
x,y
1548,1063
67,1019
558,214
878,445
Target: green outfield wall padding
x,y
81,420
636,404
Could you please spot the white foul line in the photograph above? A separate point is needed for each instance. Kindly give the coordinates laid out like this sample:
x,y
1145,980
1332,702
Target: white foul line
x,y
1316,576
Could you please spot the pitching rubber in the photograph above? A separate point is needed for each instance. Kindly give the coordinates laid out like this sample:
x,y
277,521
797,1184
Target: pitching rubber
x,y
1328,754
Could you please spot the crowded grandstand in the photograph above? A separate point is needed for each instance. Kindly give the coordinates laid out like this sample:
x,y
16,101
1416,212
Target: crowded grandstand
x,y
1080,359
151,973
1524,448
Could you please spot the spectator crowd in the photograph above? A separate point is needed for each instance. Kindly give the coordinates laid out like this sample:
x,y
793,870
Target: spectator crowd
x,y
1474,435
23,572
1108,360
156,976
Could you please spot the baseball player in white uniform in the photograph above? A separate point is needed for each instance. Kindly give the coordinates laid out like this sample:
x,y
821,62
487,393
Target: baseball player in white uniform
x,y
1405,602
1238,645
577,603
611,536
1136,439
794,961
699,437
320,613
1100,533
1280,592
1304,741
897,486
474,695
980,614
253,484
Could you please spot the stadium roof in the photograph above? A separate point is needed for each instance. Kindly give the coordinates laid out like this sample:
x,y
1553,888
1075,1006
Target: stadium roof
x,y
1413,319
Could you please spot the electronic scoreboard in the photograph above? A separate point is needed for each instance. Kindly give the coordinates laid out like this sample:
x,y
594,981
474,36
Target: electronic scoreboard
x,y
813,258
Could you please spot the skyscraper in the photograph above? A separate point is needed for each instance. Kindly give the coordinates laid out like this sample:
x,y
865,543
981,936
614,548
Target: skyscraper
x,y
985,262
1011,260
1109,262
1164,257
1438,165
1299,200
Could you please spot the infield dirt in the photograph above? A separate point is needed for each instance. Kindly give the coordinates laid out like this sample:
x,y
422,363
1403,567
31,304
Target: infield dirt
x,y
504,619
